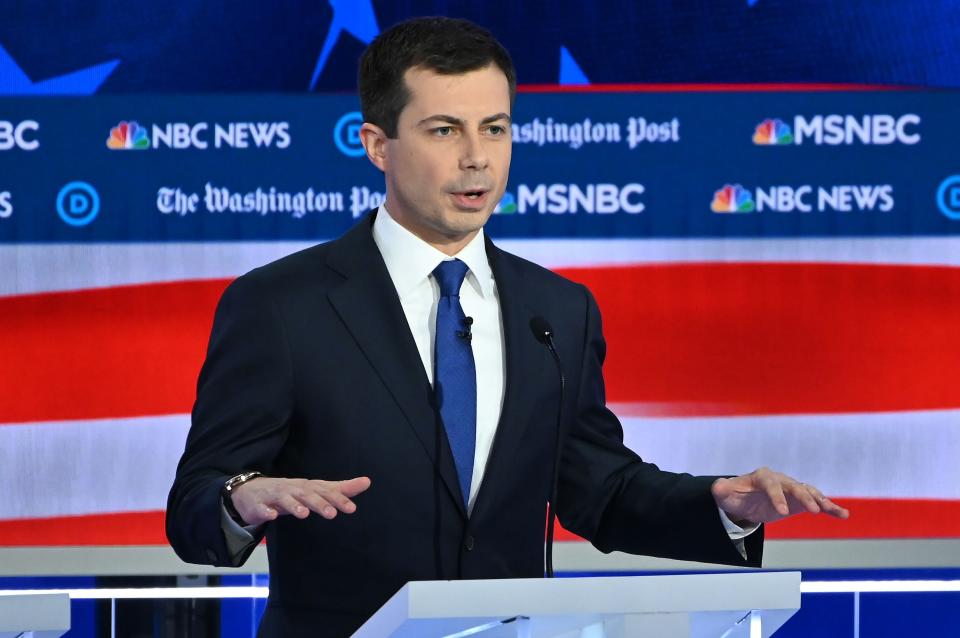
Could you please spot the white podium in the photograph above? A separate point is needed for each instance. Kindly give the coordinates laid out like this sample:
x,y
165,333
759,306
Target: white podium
x,y
746,605
34,615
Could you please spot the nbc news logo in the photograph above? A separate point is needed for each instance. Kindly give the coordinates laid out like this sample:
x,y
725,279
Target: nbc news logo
x,y
128,136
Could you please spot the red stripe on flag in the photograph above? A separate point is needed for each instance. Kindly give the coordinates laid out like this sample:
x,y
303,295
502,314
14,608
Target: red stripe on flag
x,y
869,518
743,87
125,528
876,518
112,352
717,339
707,339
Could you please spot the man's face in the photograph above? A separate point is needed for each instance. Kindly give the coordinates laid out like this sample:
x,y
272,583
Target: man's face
x,y
447,168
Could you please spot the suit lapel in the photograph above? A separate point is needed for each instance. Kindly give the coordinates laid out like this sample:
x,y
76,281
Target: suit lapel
x,y
369,307
520,349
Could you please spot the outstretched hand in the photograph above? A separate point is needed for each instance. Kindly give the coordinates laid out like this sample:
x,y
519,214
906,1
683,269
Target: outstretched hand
x,y
263,499
764,496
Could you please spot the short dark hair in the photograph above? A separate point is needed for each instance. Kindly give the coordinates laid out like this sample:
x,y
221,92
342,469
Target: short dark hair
x,y
448,46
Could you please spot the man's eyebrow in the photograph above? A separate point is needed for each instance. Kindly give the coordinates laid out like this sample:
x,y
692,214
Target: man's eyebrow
x,y
494,118
449,119
456,121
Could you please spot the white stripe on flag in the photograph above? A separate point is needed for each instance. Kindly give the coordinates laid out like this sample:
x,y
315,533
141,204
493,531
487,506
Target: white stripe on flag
x,y
72,468
587,253
120,465
32,268
909,455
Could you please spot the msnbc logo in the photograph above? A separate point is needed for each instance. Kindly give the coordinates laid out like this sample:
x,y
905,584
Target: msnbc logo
x,y
837,129
507,205
127,136
732,199
772,133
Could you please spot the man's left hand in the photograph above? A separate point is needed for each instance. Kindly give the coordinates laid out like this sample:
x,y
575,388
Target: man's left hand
x,y
764,496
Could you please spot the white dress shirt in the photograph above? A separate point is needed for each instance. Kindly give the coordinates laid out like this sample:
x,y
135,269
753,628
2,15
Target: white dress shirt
x,y
410,262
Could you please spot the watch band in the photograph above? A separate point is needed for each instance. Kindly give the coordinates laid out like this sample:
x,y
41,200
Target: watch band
x,y
238,480
227,494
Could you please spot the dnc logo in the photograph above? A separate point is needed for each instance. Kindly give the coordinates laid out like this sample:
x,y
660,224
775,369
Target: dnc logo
x,y
772,133
128,136
346,134
948,197
732,198
78,203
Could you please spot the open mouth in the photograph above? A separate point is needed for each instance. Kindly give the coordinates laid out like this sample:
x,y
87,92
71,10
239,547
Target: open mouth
x,y
471,198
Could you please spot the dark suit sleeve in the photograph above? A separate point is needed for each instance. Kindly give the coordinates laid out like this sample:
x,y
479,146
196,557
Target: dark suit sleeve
x,y
239,420
608,495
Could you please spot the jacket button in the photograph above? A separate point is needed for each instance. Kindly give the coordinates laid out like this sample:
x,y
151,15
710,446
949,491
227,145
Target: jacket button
x,y
468,543
212,555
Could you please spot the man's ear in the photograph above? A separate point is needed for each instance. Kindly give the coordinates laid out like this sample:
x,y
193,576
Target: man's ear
x,y
374,142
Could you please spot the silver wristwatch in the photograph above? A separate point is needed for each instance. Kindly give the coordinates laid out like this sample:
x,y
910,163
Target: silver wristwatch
x,y
227,493
239,480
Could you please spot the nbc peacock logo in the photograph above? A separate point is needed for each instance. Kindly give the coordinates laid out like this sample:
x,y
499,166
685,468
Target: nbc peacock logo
x,y
732,198
128,136
774,132
507,205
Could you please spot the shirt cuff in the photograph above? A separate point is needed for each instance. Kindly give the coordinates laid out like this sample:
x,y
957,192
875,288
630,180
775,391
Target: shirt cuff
x,y
238,537
734,531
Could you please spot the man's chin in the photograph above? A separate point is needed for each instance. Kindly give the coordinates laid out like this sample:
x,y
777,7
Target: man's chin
x,y
461,222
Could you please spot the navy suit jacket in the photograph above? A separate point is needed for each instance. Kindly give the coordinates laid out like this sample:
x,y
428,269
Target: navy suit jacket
x,y
312,372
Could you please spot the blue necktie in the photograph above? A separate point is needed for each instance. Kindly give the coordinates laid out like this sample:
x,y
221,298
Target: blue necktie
x,y
455,375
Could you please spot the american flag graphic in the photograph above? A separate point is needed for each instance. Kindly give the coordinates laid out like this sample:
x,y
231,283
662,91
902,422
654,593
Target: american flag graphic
x,y
833,360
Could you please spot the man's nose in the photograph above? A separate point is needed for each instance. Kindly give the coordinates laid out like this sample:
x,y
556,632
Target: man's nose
x,y
473,154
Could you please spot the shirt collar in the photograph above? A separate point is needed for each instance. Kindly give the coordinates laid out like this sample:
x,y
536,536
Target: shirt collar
x,y
410,260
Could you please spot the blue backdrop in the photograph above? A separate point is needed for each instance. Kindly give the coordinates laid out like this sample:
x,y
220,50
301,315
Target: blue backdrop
x,y
82,46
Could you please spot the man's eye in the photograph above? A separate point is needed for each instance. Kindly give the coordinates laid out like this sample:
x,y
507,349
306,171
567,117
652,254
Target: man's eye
x,y
496,129
443,131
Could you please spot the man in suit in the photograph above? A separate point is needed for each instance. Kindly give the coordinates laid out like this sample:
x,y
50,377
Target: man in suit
x,y
350,410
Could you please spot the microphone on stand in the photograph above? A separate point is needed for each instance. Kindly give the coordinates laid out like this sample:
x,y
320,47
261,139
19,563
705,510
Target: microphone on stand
x,y
544,334
466,333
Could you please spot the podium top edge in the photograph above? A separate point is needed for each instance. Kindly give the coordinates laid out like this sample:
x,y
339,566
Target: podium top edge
x,y
778,577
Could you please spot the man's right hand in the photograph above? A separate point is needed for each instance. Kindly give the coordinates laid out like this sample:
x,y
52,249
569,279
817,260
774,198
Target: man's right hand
x,y
263,499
